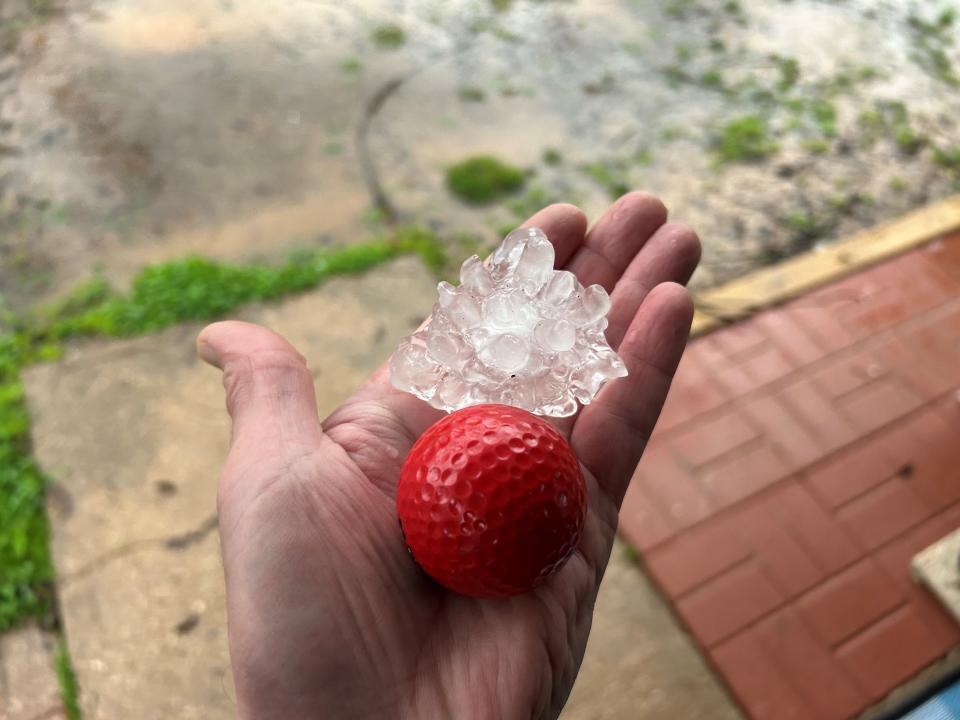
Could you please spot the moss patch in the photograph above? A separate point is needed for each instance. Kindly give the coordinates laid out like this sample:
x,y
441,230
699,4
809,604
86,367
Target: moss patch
x,y
68,682
469,93
744,139
193,288
388,37
483,179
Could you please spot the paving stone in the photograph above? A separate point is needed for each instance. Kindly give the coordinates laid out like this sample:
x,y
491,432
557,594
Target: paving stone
x,y
29,689
822,680
883,513
890,651
782,557
793,571
134,434
758,684
724,605
848,602
639,665
684,562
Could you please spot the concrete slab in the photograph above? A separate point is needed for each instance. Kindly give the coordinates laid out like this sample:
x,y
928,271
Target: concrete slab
x,y
938,567
28,682
134,434
639,664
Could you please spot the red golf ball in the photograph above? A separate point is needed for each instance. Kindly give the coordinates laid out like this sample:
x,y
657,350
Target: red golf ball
x,y
491,500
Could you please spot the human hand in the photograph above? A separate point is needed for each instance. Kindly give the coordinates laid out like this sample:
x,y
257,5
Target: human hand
x,y
328,615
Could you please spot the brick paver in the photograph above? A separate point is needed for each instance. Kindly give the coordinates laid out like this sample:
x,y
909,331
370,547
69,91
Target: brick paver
x,y
804,455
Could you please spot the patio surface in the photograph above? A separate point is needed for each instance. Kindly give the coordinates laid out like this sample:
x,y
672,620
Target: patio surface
x,y
805,455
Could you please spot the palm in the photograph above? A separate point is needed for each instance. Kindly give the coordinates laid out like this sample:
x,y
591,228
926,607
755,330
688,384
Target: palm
x,y
328,614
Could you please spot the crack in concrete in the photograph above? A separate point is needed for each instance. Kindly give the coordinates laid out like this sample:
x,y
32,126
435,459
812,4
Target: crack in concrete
x,y
371,178
178,542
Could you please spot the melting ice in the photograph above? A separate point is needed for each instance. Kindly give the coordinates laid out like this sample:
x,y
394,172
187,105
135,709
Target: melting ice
x,y
515,331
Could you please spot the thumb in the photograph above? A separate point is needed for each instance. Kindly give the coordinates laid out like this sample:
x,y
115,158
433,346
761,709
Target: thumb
x,y
270,394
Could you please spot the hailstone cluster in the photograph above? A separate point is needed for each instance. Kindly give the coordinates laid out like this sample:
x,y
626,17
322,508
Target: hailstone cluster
x,y
515,332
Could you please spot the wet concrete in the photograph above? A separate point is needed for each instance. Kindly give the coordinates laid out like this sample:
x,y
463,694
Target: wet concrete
x,y
136,130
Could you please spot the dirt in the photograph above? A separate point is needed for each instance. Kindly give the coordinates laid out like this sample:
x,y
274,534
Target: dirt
x,y
133,131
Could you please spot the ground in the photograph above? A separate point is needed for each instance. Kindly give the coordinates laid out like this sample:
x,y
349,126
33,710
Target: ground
x,y
133,132
133,514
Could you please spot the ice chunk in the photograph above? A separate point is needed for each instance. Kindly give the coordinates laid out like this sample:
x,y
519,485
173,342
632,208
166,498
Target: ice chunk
x,y
515,331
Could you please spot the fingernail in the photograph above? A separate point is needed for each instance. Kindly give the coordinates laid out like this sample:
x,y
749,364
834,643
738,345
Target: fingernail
x,y
207,353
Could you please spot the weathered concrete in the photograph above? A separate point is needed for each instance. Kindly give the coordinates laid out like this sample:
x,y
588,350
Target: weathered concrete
x,y
639,664
140,131
938,567
28,681
134,434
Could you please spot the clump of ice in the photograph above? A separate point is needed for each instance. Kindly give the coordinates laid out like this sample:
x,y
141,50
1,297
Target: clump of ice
x,y
515,331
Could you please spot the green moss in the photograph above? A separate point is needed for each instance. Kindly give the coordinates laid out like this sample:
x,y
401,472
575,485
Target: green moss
x,y
388,37
471,94
674,132
679,9
931,41
744,139
890,119
643,156
193,288
501,5
534,200
816,146
552,156
631,555
483,179
789,72
610,175
824,114
69,691
713,79
350,65
898,184
948,159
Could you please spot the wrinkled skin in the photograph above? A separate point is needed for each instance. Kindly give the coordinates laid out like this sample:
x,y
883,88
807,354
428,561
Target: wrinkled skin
x,y
328,615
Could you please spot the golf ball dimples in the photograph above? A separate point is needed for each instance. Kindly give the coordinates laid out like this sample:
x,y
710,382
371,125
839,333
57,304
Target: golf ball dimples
x,y
491,500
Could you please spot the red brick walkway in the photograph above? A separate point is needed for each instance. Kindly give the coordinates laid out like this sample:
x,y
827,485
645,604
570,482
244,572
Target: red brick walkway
x,y
804,456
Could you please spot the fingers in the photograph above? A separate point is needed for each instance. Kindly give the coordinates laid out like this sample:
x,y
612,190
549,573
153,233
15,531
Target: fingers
x,y
565,225
671,255
270,393
616,238
610,434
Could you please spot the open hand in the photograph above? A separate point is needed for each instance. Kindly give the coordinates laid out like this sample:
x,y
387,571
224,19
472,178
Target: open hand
x,y
328,615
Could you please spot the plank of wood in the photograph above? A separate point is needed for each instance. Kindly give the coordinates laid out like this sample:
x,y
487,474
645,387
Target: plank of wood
x,y
790,278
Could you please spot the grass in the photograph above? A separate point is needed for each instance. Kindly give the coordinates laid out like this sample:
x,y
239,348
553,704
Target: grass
x,y
350,65
482,179
948,159
469,93
789,69
388,37
552,157
931,41
193,288
68,682
744,139
891,120
611,175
